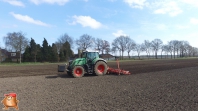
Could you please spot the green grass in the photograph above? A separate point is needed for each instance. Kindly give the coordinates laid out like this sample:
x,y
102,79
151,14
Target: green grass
x,y
126,59
25,63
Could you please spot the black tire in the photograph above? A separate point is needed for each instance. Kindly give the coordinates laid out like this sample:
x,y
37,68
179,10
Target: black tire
x,y
100,68
78,71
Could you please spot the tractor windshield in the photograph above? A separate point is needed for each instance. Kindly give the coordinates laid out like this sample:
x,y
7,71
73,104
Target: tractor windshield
x,y
90,55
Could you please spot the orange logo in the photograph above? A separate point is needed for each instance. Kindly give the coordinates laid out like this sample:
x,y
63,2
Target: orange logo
x,y
10,101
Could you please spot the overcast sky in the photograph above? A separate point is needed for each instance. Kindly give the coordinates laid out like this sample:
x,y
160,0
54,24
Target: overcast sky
x,y
105,19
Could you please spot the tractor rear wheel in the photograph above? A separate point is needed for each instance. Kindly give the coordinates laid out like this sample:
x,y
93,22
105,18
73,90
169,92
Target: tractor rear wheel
x,y
100,68
78,71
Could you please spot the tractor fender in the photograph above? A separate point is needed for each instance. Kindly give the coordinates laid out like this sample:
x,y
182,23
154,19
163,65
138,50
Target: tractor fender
x,y
100,60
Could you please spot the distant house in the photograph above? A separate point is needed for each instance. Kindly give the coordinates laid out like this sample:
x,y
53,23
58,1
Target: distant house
x,y
3,54
9,56
107,56
14,56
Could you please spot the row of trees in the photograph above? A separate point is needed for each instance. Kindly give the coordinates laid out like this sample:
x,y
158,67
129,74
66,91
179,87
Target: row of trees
x,y
61,50
35,52
173,47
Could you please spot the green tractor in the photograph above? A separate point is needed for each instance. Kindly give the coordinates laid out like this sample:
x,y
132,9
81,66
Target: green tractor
x,y
89,63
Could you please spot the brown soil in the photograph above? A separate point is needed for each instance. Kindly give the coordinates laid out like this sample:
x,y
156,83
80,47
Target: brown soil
x,y
159,89
134,67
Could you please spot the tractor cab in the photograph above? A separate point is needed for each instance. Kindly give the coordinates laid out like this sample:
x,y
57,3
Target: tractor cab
x,y
90,55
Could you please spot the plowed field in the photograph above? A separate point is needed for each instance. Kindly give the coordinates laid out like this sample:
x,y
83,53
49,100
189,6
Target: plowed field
x,y
134,67
156,85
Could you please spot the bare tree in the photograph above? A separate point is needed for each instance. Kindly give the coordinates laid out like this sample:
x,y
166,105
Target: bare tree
x,y
85,42
116,46
147,47
105,46
182,48
185,47
121,43
114,50
108,50
0,55
139,48
102,45
17,41
163,48
171,48
196,51
130,46
189,50
156,44
166,50
178,47
98,44
63,39
174,46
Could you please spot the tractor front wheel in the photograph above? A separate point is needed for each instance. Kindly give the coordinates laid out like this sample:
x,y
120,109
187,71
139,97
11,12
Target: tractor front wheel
x,y
100,68
78,71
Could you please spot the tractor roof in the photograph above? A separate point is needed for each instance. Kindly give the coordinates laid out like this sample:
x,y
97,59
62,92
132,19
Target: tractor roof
x,y
90,51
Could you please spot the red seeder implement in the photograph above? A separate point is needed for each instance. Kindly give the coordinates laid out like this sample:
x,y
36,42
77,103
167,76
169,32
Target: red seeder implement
x,y
117,71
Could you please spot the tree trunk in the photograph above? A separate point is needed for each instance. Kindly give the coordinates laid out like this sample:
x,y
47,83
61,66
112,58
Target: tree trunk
x,y
149,55
20,58
174,54
129,55
139,55
171,55
34,58
122,54
156,54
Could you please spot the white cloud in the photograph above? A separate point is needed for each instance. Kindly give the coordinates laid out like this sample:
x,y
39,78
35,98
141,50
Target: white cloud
x,y
8,26
136,3
28,19
15,3
86,0
86,21
119,33
191,2
112,0
194,21
182,26
59,2
161,26
153,26
170,8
